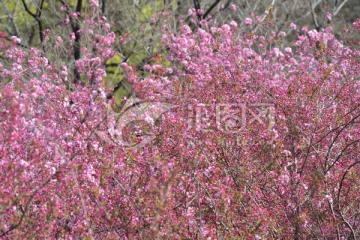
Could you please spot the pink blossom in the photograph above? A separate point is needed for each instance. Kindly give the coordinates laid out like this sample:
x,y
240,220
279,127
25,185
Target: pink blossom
x,y
258,19
185,29
277,52
282,34
64,70
191,12
329,16
203,22
169,70
109,39
287,152
288,50
226,28
15,39
357,23
72,36
147,67
96,61
305,29
157,67
126,66
233,24
293,26
107,26
233,7
63,8
59,42
248,21
314,35
122,39
94,3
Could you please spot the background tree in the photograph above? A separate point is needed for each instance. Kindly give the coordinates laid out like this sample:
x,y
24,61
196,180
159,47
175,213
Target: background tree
x,y
135,21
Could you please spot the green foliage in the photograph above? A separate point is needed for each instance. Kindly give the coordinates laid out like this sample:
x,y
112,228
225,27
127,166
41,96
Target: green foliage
x,y
148,10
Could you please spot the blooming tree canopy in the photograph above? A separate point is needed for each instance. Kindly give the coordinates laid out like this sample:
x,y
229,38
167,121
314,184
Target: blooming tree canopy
x,y
258,140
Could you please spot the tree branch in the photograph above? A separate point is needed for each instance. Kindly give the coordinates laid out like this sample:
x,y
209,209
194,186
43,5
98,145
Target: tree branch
x,y
103,7
340,7
37,17
313,15
197,7
24,210
76,31
211,8
11,17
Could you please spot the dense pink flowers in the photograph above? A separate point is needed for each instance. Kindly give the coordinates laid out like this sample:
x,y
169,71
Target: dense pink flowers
x,y
258,141
302,85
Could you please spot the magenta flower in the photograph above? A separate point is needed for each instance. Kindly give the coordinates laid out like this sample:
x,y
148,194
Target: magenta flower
x,y
248,21
357,23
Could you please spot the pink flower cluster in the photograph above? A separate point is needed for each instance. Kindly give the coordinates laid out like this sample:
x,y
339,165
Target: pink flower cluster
x,y
261,141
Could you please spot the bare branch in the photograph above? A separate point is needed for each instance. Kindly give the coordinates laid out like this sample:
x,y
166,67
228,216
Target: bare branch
x,y
37,17
11,17
76,31
313,15
340,7
211,8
